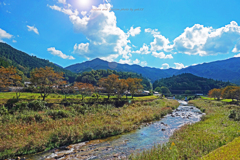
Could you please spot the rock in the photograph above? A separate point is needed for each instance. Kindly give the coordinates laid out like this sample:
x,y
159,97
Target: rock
x,y
116,155
172,115
163,129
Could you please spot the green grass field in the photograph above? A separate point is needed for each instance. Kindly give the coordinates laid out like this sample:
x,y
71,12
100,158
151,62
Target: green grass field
x,y
223,100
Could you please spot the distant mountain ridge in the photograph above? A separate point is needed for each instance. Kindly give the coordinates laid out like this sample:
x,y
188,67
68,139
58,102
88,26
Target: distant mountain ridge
x,y
225,70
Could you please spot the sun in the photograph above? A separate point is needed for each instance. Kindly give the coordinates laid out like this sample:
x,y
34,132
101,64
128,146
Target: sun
x,y
83,3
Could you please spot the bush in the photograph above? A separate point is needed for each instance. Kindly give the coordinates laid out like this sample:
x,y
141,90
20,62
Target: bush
x,y
26,118
59,114
37,105
235,115
3,111
79,108
21,106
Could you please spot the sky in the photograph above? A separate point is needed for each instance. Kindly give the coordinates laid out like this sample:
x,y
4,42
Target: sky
x,y
155,33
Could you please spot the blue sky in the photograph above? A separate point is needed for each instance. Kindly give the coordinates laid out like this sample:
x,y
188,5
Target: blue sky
x,y
154,33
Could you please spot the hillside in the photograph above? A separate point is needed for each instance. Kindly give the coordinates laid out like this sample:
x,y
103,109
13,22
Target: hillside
x,y
186,81
25,63
94,75
225,70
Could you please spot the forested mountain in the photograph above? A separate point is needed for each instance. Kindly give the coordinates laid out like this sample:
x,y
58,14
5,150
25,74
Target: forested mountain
x,y
225,70
25,63
94,75
186,81
151,73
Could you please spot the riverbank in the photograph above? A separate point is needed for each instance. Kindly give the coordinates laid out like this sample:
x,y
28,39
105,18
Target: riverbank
x,y
29,132
197,140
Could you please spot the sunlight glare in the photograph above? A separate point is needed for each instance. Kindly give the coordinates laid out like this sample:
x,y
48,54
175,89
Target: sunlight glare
x,y
83,3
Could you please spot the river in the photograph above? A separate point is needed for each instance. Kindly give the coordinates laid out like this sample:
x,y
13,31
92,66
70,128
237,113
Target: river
x,y
121,146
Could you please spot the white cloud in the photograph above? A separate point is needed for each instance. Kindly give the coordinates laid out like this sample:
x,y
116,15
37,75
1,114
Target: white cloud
x,y
237,47
134,31
4,34
59,53
14,41
81,48
136,61
165,66
203,41
83,13
110,58
162,55
152,31
179,66
32,28
143,63
62,1
67,11
160,43
100,28
143,50
126,61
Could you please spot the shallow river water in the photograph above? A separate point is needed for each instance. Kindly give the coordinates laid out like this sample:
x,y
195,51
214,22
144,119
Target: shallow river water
x,y
121,146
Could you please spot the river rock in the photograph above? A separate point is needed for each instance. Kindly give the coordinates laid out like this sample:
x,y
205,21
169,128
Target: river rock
x,y
163,129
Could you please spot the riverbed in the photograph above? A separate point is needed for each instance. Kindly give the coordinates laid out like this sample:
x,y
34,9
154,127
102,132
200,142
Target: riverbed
x,y
121,146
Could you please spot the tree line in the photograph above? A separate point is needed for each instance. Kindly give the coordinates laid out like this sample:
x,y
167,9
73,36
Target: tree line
x,y
229,92
46,81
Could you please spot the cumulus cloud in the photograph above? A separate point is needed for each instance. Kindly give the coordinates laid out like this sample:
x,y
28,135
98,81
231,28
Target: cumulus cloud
x,y
179,65
152,31
62,1
143,50
162,55
203,41
81,48
165,66
4,34
83,13
136,61
67,11
110,58
134,31
100,28
32,28
237,47
143,63
126,61
59,53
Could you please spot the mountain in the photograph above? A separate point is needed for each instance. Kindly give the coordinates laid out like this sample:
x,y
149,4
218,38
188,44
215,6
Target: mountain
x,y
187,81
151,73
225,70
25,63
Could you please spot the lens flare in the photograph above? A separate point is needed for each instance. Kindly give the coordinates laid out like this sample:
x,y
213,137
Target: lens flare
x,y
84,3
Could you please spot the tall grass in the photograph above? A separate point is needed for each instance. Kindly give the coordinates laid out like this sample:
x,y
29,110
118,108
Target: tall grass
x,y
29,131
194,141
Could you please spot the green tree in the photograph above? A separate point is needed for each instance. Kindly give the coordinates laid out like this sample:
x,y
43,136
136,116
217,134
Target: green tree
x,y
165,91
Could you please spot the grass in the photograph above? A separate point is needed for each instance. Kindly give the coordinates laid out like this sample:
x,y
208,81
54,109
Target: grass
x,y
30,130
223,100
199,139
231,151
58,98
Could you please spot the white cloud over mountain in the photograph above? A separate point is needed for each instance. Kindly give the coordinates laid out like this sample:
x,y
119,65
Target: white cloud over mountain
x,y
162,55
4,34
165,66
59,53
179,65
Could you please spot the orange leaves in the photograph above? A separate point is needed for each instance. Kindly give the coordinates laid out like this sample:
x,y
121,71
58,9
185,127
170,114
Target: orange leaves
x,y
83,88
215,93
8,76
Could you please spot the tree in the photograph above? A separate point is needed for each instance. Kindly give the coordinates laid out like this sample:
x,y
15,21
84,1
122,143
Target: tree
x,y
46,80
237,93
215,93
158,89
65,88
84,88
8,77
134,85
165,91
121,87
109,84
228,92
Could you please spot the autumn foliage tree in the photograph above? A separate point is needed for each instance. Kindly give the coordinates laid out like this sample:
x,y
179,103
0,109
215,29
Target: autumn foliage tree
x,y
134,85
109,83
215,93
229,92
46,80
83,88
9,77
65,88
121,87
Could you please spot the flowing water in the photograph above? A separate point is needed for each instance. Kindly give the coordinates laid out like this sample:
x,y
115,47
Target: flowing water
x,y
120,147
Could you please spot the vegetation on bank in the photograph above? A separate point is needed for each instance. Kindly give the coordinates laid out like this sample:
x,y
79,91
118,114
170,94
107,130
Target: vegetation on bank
x,y
216,129
33,127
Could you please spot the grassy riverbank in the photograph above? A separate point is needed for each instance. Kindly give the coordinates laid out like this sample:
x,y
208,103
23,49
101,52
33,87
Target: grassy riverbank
x,y
29,131
201,138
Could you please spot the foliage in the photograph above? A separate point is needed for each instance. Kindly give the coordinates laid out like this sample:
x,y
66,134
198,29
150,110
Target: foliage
x,y
84,88
37,105
235,114
215,93
94,76
45,79
186,81
165,91
134,85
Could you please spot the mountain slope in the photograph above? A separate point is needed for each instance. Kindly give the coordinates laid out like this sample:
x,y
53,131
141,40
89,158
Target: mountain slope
x,y
151,73
25,62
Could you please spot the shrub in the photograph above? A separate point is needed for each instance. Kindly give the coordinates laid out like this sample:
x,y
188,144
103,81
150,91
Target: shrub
x,y
3,111
26,118
79,108
21,106
235,114
38,118
37,105
59,114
